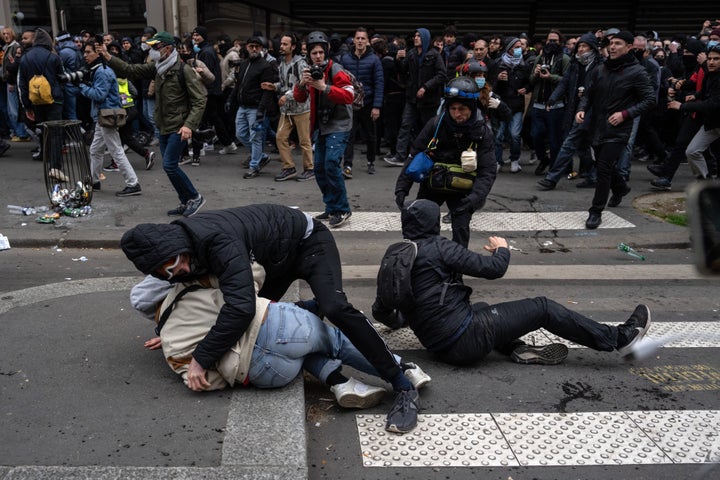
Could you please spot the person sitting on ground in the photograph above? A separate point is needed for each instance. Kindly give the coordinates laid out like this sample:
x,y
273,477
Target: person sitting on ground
x,y
459,332
185,312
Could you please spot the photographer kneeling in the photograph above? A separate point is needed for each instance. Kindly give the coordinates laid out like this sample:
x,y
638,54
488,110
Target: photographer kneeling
x,y
100,85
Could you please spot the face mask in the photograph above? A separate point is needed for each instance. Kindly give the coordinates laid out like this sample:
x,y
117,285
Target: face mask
x,y
154,55
517,52
480,82
196,49
712,43
639,54
145,47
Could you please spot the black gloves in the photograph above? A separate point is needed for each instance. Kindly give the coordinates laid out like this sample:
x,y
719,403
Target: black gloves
x,y
400,199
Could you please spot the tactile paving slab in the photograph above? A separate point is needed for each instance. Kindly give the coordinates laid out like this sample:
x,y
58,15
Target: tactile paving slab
x,y
670,334
487,221
544,439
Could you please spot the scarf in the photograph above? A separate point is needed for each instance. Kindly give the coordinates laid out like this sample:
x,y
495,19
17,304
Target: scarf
x,y
586,58
162,66
510,61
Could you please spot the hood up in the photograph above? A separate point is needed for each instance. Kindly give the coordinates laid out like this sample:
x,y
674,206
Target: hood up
x,y
420,219
149,245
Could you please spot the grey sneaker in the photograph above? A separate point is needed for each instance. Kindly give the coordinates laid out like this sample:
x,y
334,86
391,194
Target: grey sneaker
x,y
417,376
394,161
541,354
633,329
129,191
403,415
355,394
371,168
192,206
286,174
305,176
338,219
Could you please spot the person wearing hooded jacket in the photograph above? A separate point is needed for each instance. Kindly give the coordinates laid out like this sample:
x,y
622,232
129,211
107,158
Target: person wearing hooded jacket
x,y
461,128
72,62
289,245
618,91
425,74
459,332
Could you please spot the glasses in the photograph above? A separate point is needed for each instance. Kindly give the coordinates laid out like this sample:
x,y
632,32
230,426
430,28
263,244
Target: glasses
x,y
168,269
158,46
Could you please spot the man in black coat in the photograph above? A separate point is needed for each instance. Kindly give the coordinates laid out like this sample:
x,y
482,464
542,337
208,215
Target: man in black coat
x,y
618,91
460,332
289,245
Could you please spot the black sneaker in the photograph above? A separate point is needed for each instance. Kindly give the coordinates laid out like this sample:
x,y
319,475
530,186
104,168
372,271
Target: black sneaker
x,y
195,162
447,218
338,219
661,183
371,169
347,172
657,170
129,191
615,199
96,186
4,148
541,355
263,162
149,160
633,329
252,173
177,211
404,412
546,184
586,184
193,206
111,167
286,174
322,216
394,160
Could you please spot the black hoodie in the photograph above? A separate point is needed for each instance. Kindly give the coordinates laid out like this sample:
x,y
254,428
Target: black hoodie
x,y
442,307
41,60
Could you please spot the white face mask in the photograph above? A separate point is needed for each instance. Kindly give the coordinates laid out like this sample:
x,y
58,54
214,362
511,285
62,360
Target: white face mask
x,y
145,47
154,55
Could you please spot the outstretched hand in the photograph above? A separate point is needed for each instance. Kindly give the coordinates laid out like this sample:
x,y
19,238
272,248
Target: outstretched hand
x,y
494,243
153,344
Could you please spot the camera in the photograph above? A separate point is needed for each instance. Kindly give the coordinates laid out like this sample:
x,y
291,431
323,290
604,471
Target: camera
x,y
236,63
544,69
75,77
317,72
99,39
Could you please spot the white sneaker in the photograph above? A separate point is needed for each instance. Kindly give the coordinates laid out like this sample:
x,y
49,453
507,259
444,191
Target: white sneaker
x,y
416,376
515,167
232,148
355,394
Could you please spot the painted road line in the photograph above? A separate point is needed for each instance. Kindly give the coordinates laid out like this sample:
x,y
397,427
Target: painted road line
x,y
673,334
544,439
568,272
487,221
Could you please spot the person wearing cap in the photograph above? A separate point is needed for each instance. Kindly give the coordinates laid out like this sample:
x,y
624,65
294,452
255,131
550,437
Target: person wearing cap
x,y
513,80
180,103
618,91
72,62
205,52
458,136
571,88
252,102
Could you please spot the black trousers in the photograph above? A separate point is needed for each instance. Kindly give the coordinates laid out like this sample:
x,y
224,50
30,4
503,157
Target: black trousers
x,y
362,119
496,326
688,128
608,177
213,116
126,133
318,263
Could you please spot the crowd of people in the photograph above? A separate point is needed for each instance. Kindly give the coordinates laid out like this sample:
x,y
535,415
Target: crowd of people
x,y
547,94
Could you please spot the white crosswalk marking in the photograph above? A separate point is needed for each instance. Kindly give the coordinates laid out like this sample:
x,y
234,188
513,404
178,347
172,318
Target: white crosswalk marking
x,y
487,221
544,439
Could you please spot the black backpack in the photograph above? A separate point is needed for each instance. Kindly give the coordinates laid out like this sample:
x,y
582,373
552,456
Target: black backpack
x,y
394,285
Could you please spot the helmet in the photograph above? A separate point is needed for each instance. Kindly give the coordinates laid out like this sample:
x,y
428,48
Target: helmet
x,y
475,68
462,88
317,37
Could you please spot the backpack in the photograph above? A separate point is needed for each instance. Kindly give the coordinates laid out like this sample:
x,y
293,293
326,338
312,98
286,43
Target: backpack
x,y
359,96
394,286
40,91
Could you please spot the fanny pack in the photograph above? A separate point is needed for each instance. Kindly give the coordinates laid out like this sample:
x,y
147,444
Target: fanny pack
x,y
450,177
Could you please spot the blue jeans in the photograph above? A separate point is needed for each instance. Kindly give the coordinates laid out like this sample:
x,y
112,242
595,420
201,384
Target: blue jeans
x,y
149,112
547,130
513,129
623,164
577,140
70,102
329,151
244,120
293,338
13,104
171,149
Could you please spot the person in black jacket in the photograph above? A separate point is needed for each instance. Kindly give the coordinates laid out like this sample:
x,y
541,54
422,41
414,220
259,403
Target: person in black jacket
x,y
462,333
289,245
618,91
461,131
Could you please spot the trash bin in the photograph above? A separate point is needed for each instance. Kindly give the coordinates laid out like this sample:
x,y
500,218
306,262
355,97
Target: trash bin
x,y
66,163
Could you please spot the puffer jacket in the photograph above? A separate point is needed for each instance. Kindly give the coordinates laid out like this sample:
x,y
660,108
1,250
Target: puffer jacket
x,y
104,91
330,111
452,141
442,308
175,105
369,71
616,86
41,59
223,243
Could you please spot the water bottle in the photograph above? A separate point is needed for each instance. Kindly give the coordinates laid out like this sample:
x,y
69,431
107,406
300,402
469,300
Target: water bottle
x,y
630,251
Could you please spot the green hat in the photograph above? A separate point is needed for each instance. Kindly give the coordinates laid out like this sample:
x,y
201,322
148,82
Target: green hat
x,y
161,37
